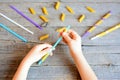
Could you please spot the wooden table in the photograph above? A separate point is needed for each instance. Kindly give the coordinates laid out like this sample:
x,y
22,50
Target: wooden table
x,y
102,54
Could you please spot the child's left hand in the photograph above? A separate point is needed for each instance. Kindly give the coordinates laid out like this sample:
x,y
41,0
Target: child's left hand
x,y
37,52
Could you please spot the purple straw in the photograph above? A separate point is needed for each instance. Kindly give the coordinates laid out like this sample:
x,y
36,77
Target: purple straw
x,y
86,34
23,15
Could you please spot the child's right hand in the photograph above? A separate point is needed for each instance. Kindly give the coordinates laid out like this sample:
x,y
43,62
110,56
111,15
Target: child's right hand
x,y
73,40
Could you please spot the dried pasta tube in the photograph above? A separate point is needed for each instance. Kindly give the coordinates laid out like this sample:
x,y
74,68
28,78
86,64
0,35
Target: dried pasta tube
x,y
107,15
44,37
44,10
70,9
90,9
62,17
43,18
32,11
98,22
81,18
61,29
57,5
91,29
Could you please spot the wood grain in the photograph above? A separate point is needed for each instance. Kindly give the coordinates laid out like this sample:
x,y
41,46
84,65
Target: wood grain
x,y
102,54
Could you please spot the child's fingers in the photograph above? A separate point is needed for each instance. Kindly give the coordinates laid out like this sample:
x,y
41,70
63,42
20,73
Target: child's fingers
x,y
64,40
62,37
44,52
73,34
42,46
66,37
47,50
60,34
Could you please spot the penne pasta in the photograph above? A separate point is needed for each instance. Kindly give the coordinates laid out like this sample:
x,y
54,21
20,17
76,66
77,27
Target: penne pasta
x,y
32,11
62,17
70,9
90,9
57,5
44,10
43,18
44,37
61,29
81,18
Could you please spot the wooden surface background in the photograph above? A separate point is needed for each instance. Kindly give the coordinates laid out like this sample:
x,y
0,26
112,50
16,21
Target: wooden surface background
x,y
102,54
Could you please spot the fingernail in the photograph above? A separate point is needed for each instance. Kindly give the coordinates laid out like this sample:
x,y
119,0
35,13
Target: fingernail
x,y
64,33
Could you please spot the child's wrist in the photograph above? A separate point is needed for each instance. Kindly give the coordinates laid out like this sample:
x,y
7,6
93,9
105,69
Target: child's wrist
x,y
27,61
77,55
76,52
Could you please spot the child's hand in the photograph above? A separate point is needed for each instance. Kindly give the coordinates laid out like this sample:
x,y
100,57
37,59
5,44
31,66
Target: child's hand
x,y
73,40
37,52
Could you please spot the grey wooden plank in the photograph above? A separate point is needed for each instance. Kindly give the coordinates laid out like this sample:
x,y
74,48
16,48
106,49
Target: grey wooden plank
x,y
80,28
90,1
103,72
70,79
54,21
110,39
12,54
21,46
66,73
107,72
56,71
63,59
102,54
63,72
60,0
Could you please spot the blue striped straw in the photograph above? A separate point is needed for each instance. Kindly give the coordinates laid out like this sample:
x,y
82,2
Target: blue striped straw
x,y
12,32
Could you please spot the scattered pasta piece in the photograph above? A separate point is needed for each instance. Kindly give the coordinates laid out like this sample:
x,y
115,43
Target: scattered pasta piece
x,y
62,17
61,29
44,37
32,11
44,10
107,15
57,5
44,18
70,9
90,9
81,18
98,22
91,29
